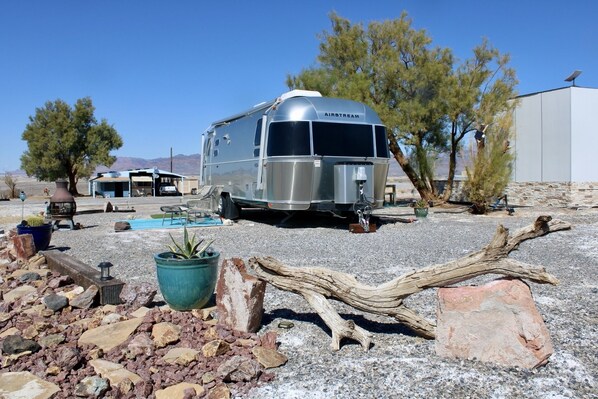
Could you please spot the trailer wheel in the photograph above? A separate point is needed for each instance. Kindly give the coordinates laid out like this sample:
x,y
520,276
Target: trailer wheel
x,y
227,208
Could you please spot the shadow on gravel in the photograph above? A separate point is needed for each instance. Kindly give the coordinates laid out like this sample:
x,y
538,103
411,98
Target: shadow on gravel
x,y
306,219
375,327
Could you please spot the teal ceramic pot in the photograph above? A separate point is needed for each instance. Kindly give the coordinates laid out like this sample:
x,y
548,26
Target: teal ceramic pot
x,y
186,283
41,235
421,212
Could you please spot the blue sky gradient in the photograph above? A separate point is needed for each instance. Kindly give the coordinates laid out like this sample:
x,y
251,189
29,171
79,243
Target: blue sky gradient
x,y
160,72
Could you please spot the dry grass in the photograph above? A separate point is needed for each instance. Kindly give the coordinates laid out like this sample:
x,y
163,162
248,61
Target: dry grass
x,y
34,188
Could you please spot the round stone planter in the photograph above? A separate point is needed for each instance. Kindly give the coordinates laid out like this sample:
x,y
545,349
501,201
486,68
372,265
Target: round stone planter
x,y
41,235
186,283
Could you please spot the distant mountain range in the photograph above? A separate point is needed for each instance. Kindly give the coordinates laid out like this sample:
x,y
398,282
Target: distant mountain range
x,y
188,165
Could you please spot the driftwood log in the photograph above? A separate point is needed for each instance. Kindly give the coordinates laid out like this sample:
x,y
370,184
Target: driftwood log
x,y
317,285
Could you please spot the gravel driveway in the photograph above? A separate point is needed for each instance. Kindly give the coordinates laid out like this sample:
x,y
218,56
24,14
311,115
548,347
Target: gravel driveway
x,y
399,364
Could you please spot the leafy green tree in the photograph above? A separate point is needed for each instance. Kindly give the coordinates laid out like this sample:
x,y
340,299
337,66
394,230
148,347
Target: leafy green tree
x,y
65,142
427,104
490,171
481,90
393,68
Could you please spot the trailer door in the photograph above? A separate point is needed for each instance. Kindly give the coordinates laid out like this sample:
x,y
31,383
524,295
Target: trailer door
x,y
207,158
258,142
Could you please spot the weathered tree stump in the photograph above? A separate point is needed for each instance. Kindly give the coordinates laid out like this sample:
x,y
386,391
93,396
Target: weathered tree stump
x,y
317,285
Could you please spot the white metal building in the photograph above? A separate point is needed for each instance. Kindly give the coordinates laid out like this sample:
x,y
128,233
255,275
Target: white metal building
x,y
556,137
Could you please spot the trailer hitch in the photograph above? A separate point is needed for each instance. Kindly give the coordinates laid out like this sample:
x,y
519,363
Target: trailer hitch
x,y
363,209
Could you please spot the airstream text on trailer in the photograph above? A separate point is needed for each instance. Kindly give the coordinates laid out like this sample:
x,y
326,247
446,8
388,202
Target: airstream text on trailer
x,y
299,152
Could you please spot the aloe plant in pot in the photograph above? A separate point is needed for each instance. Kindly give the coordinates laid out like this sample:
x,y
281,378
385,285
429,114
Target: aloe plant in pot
x,y
187,273
40,230
420,208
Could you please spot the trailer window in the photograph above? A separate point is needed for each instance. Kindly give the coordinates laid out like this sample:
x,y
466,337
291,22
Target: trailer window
x,y
343,139
258,133
288,138
381,142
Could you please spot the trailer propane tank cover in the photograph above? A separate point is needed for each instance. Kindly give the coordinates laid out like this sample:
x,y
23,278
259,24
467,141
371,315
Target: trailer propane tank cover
x,y
360,175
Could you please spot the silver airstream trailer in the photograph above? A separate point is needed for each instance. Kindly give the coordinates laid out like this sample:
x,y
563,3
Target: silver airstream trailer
x,y
299,152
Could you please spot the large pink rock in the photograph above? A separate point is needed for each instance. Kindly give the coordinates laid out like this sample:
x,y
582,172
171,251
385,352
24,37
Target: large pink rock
x,y
24,246
497,322
239,297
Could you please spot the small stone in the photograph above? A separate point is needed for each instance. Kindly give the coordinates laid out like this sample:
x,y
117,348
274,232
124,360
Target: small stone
x,y
268,340
55,302
180,356
14,344
141,344
68,358
122,226
30,332
205,313
53,370
207,378
86,299
114,372
238,369
178,391
10,331
141,312
220,391
52,340
111,319
137,295
96,353
93,386
18,293
60,281
111,335
269,358
214,348
73,293
30,276
19,384
125,386
36,261
165,334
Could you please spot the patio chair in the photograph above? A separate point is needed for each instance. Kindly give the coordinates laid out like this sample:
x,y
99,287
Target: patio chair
x,y
175,212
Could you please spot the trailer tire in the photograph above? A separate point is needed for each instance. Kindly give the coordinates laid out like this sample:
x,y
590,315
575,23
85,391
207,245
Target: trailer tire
x,y
227,208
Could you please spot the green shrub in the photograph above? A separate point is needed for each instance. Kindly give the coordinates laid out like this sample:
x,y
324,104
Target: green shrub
x,y
35,220
490,172
189,248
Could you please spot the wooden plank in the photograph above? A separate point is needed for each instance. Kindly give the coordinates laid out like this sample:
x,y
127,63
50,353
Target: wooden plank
x,y
85,276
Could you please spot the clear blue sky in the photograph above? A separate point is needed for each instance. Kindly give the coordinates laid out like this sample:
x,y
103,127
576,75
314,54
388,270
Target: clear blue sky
x,y
161,71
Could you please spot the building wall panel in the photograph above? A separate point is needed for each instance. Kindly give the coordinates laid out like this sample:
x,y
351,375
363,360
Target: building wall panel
x,y
584,139
556,137
528,139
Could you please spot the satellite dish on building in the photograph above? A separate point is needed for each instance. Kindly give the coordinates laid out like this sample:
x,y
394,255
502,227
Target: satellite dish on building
x,y
571,78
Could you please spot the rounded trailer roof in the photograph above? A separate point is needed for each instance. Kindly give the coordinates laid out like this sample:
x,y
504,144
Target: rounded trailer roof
x,y
326,109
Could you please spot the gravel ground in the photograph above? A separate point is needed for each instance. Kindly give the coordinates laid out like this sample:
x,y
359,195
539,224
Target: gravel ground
x,y
399,364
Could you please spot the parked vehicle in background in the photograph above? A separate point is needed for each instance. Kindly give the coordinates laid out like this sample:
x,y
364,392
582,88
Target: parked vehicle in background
x,y
169,190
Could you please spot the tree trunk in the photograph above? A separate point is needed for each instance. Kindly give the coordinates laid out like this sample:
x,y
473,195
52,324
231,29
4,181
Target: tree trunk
x,y
316,285
419,184
73,184
448,188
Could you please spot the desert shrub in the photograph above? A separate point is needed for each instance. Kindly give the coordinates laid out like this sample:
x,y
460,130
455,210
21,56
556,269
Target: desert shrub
x,y
490,171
